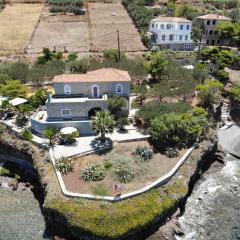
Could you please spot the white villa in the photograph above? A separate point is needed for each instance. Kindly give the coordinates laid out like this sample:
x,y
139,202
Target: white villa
x,y
171,33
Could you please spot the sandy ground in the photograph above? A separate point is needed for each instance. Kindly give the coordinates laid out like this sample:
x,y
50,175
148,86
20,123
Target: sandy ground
x,y
105,19
69,31
17,24
158,166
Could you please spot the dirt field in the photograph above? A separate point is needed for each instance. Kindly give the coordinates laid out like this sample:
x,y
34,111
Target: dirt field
x,y
94,32
104,25
16,25
60,31
158,166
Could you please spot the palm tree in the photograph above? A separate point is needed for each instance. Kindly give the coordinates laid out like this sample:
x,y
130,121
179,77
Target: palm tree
x,y
50,133
103,123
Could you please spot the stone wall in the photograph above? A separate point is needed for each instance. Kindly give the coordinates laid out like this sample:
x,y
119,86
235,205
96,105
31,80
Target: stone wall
x,y
83,126
78,109
85,89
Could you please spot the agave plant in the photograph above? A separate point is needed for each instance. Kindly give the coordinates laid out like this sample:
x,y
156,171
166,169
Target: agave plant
x,y
64,165
94,172
144,152
171,152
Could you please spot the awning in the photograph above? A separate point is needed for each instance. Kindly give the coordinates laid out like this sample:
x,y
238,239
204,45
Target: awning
x,y
68,130
17,101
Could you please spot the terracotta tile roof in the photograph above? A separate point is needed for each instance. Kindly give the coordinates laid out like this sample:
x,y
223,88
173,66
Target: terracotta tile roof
x,y
170,19
100,75
214,17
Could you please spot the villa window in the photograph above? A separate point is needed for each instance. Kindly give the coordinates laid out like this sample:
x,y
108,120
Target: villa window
x,y
208,22
186,37
163,37
67,89
214,22
162,26
119,88
181,27
171,37
152,25
65,112
188,27
95,91
211,32
156,25
170,26
180,37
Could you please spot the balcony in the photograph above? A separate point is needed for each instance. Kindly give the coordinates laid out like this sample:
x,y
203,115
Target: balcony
x,y
75,98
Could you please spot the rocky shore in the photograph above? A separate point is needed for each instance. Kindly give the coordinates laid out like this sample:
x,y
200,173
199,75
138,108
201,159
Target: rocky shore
x,y
21,216
212,210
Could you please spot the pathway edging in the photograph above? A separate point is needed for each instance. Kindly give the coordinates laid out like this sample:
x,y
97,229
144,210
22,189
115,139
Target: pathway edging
x,y
154,184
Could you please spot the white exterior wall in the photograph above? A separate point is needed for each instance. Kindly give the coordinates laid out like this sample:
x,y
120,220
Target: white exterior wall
x,y
155,27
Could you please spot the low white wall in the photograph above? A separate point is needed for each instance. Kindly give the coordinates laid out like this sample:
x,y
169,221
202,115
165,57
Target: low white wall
x,y
154,184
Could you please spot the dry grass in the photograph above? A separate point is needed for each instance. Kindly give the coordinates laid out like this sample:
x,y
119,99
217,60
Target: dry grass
x,y
17,24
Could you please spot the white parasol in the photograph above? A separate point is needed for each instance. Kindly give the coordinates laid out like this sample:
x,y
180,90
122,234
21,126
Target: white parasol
x,y
68,130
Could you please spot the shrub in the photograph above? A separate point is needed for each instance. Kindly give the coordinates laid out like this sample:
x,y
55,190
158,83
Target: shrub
x,y
2,128
79,66
235,93
178,130
153,109
124,174
4,171
113,55
38,99
115,103
27,135
123,168
222,75
144,152
122,121
210,92
64,165
94,173
13,88
108,164
21,120
171,152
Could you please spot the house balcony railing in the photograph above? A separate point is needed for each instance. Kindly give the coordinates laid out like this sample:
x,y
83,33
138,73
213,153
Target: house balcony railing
x,y
75,98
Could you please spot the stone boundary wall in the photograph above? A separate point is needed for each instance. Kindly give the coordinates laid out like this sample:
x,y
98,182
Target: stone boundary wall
x,y
161,181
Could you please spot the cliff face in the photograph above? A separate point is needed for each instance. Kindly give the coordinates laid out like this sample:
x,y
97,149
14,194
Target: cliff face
x,y
213,209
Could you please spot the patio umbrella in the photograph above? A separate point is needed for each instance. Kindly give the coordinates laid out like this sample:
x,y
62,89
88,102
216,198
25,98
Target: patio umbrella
x,y
68,130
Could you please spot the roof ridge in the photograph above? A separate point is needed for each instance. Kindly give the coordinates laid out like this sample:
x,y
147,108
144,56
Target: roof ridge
x,y
117,71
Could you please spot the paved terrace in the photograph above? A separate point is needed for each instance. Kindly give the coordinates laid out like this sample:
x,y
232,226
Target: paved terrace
x,y
90,143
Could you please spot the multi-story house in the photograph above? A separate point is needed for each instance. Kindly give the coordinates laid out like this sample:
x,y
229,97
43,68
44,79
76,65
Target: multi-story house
x,y
171,33
210,34
78,96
